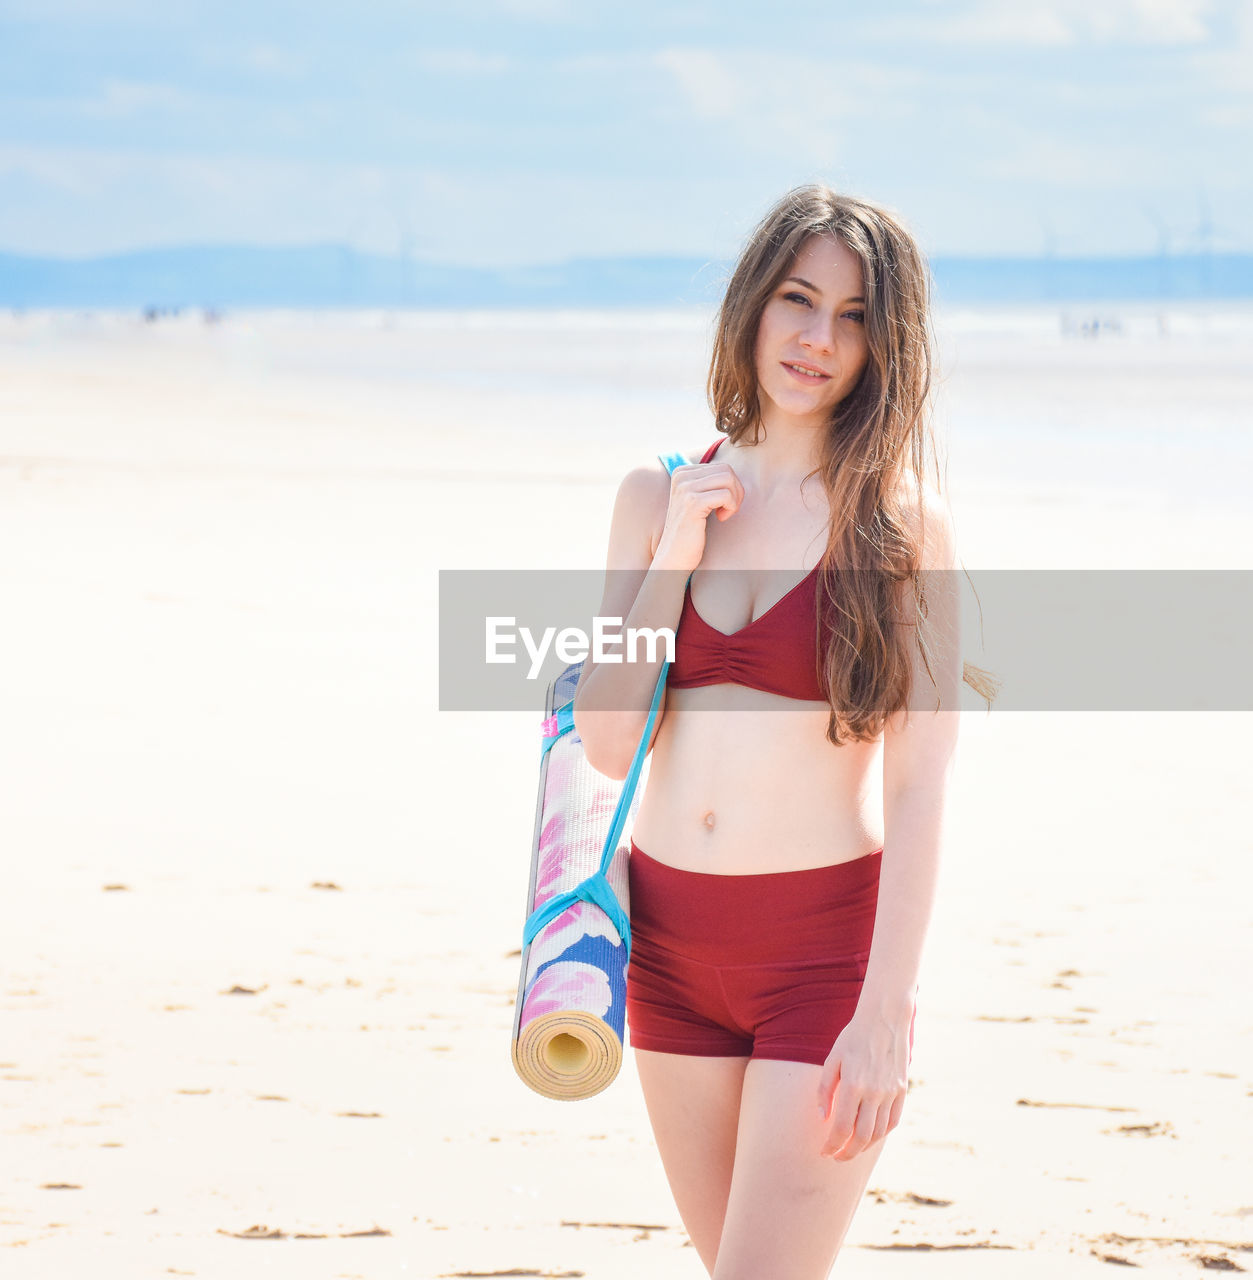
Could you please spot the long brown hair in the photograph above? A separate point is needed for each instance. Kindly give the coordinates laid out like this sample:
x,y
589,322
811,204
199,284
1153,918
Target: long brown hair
x,y
881,429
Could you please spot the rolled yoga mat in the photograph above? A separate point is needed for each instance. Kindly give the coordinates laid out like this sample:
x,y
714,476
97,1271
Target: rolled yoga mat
x,y
570,1016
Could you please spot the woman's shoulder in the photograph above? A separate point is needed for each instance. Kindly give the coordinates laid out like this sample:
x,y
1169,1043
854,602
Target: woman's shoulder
x,y
650,479
930,519
644,497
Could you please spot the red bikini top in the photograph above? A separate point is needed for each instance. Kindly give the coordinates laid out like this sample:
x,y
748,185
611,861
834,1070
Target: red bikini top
x,y
777,652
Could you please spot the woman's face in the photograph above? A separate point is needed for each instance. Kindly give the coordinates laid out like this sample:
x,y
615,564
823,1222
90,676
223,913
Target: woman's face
x,y
814,320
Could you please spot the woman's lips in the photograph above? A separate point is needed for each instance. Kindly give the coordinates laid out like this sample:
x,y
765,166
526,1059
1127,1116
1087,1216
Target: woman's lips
x,y
805,377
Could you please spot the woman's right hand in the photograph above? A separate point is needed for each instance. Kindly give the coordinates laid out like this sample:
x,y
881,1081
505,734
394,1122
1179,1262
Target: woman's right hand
x,y
697,489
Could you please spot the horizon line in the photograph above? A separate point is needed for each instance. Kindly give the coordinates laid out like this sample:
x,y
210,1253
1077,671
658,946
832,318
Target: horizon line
x,y
393,256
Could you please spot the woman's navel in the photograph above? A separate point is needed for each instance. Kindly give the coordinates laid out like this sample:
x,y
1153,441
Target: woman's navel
x,y
709,820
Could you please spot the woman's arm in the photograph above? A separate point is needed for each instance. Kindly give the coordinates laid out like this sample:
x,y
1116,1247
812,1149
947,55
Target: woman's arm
x,y
611,700
919,746
865,1078
657,538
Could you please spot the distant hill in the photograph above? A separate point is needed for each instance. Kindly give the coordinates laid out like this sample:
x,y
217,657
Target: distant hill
x,y
335,276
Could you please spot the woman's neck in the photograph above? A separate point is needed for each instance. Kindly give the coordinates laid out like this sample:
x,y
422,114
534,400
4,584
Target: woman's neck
x,y
783,457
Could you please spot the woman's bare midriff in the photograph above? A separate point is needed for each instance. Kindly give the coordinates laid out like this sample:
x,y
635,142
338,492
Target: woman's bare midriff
x,y
743,782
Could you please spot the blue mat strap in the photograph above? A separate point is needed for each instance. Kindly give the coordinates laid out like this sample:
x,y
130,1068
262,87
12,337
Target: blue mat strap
x,y
672,460
632,780
596,889
562,721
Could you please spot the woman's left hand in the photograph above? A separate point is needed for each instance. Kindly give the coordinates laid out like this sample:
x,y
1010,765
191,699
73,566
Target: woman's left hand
x,y
867,1073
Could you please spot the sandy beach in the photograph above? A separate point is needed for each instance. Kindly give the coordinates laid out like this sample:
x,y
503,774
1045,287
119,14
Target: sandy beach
x,y
264,900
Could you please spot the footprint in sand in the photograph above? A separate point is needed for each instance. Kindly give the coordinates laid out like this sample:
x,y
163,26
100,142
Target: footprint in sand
x,y
515,1271
907,1197
1162,1129
1075,1106
925,1246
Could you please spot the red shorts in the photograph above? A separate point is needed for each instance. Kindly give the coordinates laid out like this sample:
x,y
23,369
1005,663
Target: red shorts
x,y
761,966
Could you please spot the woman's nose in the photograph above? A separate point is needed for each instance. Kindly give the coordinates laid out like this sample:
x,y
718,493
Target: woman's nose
x,y
819,334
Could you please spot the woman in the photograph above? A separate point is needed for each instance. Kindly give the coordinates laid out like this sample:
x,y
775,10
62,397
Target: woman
x,y
785,853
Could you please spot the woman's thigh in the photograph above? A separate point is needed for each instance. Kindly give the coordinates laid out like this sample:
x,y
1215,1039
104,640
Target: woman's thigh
x,y
694,1107
789,1206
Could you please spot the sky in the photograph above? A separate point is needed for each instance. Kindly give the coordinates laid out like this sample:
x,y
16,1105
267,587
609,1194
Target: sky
x,y
532,131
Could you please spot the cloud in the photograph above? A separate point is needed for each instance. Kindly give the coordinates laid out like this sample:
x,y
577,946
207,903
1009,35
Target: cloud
x,y
119,99
273,60
1145,21
705,80
784,104
1054,162
109,100
1230,69
1228,117
538,10
1059,23
143,198
461,62
64,170
80,200
104,12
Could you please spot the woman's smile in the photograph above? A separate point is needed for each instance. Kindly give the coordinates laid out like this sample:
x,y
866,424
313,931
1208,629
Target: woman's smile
x,y
806,372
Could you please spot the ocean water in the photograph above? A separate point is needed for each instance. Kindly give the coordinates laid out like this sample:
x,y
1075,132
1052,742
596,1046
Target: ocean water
x,y
645,351
1142,398
1148,400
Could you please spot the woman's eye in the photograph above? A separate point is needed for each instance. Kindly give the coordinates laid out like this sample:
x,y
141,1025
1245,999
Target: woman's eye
x,y
796,297
859,316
